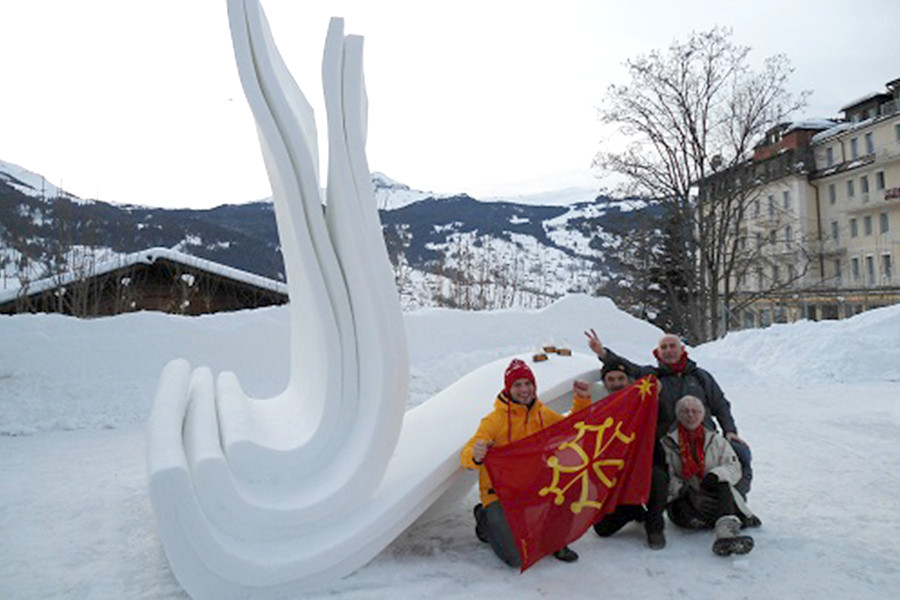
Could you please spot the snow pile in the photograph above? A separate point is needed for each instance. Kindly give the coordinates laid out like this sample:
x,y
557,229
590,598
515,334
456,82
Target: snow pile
x,y
863,348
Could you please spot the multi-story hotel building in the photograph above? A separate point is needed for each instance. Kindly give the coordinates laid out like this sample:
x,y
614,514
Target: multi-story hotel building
x,y
821,231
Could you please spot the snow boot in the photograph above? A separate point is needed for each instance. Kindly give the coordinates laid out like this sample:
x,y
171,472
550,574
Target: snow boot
x,y
728,538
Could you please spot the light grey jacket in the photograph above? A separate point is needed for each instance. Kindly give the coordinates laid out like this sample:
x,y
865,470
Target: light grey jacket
x,y
719,458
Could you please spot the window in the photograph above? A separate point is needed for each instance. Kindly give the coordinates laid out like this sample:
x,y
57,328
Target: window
x,y
771,206
850,189
834,231
772,236
792,273
864,184
832,194
879,180
897,131
837,271
854,148
758,240
756,207
854,266
853,230
788,235
829,156
786,199
870,144
867,224
870,268
886,266
884,223
775,275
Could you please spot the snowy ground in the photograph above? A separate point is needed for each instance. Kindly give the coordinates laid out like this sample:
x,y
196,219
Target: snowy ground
x,y
818,402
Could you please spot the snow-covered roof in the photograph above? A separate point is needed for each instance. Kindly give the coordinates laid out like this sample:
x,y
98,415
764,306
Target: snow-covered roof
x,y
862,99
838,129
814,123
149,256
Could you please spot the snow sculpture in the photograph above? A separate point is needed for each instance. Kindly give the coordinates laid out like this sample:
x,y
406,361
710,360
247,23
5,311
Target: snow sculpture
x,y
263,498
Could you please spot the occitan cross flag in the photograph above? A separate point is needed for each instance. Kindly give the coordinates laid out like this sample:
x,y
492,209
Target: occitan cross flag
x,y
553,485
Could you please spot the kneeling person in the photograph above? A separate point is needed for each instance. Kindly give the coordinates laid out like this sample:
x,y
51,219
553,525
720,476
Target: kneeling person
x,y
517,413
615,377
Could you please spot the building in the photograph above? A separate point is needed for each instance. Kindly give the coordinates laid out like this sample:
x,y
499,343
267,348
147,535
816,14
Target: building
x,y
156,279
820,234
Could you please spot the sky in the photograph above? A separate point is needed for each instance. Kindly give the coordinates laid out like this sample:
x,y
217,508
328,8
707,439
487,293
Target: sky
x,y
140,102
819,403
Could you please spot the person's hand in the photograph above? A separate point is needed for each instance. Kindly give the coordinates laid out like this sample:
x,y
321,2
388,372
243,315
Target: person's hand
x,y
706,505
479,450
581,388
731,436
595,344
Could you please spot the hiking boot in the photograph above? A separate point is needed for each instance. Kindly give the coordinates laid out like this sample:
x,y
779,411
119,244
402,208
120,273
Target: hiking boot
x,y
566,554
751,521
728,538
656,540
654,526
480,532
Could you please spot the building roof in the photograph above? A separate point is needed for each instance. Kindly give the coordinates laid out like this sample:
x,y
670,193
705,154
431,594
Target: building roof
x,y
149,256
864,99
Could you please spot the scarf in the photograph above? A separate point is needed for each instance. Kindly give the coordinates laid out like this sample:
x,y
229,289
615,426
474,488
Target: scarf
x,y
677,367
690,443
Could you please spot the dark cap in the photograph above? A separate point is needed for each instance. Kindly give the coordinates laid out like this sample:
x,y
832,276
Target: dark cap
x,y
613,366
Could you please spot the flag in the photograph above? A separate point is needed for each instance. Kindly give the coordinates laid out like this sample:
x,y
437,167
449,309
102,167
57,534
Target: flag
x,y
553,485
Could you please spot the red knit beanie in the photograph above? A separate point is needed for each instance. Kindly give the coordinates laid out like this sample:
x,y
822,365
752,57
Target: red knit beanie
x,y
517,369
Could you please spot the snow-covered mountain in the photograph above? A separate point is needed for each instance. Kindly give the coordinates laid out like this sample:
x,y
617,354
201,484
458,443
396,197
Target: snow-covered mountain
x,y
448,249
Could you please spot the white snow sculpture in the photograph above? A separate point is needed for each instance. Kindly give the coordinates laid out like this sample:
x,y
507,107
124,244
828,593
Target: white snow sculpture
x,y
267,498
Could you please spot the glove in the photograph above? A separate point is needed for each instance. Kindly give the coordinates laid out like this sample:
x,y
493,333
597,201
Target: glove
x,y
709,482
705,504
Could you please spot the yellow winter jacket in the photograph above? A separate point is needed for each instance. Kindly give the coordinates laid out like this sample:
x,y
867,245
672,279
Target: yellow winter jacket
x,y
507,423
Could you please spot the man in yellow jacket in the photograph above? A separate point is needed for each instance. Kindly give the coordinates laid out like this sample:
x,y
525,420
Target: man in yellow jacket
x,y
517,414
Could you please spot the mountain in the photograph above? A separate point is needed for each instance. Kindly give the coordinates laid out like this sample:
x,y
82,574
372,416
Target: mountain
x,y
449,250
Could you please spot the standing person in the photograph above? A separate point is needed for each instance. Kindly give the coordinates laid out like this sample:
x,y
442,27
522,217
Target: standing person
x,y
680,376
517,413
703,469
615,377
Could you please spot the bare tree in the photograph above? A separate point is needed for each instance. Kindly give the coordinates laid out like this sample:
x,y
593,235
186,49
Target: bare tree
x,y
688,113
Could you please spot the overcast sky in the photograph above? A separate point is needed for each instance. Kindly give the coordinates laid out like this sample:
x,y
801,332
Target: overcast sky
x,y
139,101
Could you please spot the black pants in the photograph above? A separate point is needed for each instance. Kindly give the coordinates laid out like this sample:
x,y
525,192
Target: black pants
x,y
491,523
683,513
656,503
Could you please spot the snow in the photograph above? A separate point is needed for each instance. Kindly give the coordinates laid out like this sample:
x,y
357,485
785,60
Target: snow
x,y
818,402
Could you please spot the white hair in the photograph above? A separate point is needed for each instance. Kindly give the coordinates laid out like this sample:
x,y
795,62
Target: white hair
x,y
685,400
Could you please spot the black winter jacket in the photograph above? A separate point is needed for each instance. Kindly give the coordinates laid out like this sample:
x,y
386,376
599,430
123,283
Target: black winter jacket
x,y
693,381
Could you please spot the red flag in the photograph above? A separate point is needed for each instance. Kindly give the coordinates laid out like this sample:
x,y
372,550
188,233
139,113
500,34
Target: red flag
x,y
553,485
